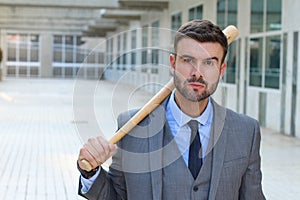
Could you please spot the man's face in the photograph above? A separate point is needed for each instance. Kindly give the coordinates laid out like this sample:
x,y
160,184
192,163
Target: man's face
x,y
197,68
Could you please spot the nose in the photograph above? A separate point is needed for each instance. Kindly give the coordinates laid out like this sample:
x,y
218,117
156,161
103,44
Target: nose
x,y
197,71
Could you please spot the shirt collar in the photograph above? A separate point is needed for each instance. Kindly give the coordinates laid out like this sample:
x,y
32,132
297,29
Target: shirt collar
x,y
182,118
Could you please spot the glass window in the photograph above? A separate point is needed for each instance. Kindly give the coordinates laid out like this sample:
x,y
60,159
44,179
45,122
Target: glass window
x,y
265,18
80,55
272,71
144,44
23,48
34,48
231,63
256,56
232,12
273,15
221,8
57,39
226,13
118,49
124,49
257,15
176,21
196,13
133,49
155,42
69,48
12,47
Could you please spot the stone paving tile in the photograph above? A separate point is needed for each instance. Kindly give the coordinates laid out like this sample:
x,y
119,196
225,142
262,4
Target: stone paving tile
x,y
39,142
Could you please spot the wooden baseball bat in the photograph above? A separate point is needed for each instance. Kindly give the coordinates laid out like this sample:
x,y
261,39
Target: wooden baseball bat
x,y
230,32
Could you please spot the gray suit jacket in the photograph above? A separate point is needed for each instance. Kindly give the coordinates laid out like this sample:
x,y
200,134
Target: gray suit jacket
x,y
136,170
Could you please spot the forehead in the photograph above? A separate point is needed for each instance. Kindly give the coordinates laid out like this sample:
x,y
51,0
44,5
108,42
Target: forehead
x,y
199,50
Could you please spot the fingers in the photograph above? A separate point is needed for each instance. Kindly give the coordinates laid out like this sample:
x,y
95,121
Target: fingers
x,y
96,151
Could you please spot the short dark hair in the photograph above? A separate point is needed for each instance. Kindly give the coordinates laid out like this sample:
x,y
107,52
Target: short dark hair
x,y
201,31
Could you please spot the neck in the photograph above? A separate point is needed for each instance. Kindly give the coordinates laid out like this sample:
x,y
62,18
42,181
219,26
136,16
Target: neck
x,y
193,109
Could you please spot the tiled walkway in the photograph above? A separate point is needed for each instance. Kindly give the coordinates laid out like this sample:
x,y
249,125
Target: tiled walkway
x,y
39,142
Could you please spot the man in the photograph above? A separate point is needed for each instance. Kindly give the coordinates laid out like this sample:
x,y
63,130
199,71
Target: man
x,y
189,147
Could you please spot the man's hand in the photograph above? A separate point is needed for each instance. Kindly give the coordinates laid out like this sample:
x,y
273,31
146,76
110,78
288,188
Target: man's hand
x,y
96,151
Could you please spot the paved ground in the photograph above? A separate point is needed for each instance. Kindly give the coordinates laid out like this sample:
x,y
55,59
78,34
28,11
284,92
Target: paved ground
x,y
39,141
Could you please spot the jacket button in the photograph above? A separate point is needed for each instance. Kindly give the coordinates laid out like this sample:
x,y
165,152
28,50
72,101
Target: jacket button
x,y
195,189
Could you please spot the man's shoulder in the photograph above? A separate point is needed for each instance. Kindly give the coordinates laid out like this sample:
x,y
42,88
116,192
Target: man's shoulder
x,y
236,117
240,117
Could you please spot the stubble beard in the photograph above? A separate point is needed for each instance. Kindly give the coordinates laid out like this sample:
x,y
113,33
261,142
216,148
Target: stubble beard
x,y
182,86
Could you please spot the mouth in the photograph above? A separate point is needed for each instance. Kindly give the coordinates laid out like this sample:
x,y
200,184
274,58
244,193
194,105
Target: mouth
x,y
196,85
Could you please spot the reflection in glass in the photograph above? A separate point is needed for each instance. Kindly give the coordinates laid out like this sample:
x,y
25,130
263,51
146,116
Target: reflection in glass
x,y
273,15
226,13
231,63
196,13
257,15
272,71
256,52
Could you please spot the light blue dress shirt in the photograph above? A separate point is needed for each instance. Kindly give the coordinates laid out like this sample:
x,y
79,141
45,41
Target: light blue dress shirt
x,y
181,131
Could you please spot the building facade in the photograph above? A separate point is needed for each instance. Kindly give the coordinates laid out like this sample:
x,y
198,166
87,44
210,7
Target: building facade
x,y
261,78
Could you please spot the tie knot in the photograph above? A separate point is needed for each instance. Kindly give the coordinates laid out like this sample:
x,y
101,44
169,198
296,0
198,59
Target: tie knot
x,y
193,124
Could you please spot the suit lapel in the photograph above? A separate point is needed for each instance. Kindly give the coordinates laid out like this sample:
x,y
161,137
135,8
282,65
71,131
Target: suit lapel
x,y
218,147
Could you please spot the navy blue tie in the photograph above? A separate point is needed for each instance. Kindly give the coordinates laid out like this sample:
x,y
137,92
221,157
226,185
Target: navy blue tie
x,y
195,154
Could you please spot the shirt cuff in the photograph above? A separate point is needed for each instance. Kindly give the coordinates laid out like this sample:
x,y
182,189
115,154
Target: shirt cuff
x,y
87,183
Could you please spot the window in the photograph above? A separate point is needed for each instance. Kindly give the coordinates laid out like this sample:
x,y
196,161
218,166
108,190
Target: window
x,y
265,15
226,13
155,42
34,48
144,44
256,55
265,61
230,73
133,50
118,50
12,47
124,50
57,48
176,21
265,47
69,42
272,62
196,13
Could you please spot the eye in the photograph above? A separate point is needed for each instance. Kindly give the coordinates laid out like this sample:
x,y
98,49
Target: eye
x,y
209,63
187,59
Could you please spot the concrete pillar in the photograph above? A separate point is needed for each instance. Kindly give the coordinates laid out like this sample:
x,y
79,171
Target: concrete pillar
x,y
46,55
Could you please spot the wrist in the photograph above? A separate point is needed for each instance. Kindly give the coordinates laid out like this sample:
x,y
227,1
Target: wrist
x,y
87,174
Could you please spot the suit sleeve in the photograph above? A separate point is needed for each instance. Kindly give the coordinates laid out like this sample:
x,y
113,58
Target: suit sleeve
x,y
251,187
109,185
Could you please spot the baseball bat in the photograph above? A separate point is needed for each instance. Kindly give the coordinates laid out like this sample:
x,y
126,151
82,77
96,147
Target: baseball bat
x,y
230,32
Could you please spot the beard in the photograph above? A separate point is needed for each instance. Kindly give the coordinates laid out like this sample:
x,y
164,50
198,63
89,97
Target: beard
x,y
183,87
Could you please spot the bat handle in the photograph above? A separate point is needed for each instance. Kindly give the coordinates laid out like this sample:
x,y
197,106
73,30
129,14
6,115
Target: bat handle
x,y
87,166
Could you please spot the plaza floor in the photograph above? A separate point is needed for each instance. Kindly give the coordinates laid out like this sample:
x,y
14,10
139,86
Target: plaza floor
x,y
42,127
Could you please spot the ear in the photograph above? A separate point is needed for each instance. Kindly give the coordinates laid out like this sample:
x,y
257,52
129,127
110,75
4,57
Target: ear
x,y
222,70
172,63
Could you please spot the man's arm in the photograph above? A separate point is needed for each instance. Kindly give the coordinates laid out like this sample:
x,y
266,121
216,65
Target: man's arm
x,y
107,185
251,187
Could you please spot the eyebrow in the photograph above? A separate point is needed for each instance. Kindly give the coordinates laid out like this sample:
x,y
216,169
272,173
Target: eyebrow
x,y
209,58
213,58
